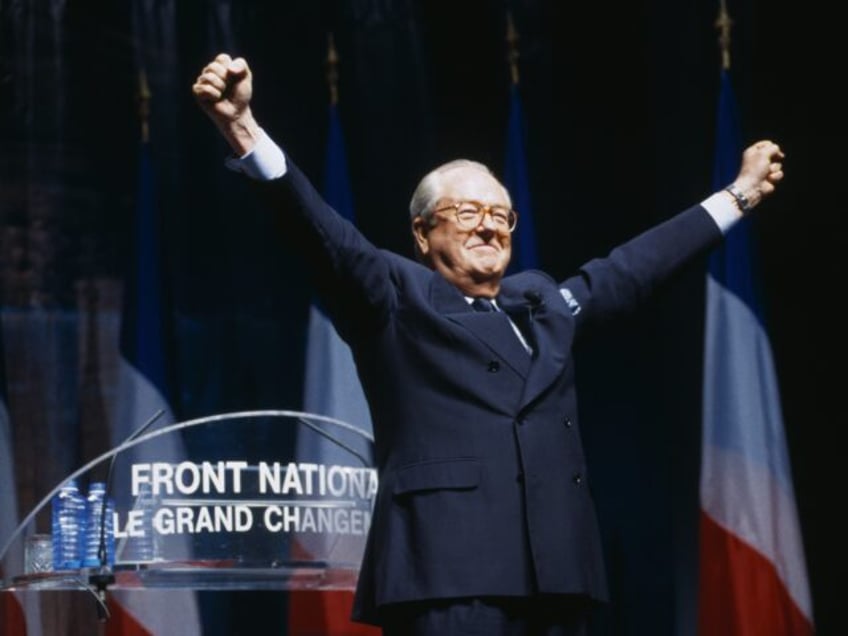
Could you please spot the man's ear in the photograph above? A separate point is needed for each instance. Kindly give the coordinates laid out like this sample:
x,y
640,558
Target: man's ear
x,y
420,226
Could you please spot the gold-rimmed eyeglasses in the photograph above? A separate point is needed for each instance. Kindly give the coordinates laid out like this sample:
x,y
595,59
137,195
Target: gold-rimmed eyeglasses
x,y
469,215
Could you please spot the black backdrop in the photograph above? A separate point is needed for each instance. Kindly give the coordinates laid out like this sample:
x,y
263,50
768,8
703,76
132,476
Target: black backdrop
x,y
620,105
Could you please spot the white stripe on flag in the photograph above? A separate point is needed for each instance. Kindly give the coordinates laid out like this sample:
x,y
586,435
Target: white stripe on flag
x,y
746,484
331,385
137,401
160,612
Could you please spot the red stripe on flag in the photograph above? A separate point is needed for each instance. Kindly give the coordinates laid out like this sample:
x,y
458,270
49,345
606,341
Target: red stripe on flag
x,y
740,593
122,623
325,613
12,619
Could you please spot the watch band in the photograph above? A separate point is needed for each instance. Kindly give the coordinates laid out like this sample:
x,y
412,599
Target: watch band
x,y
742,202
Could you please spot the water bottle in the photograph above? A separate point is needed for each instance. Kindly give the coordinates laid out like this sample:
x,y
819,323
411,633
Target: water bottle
x,y
96,524
68,517
147,546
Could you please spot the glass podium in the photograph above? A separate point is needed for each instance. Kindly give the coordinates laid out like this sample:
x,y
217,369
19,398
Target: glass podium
x,y
253,500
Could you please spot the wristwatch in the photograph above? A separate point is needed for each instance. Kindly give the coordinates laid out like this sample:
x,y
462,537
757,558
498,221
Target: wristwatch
x,y
742,202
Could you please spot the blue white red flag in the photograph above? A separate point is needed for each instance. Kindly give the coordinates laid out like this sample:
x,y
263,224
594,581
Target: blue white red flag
x,y
753,577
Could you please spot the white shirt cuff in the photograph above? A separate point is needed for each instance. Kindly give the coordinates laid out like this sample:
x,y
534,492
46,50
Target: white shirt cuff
x,y
723,209
264,162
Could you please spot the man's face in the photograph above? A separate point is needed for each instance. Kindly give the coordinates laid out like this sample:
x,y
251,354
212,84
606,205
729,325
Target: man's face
x,y
472,259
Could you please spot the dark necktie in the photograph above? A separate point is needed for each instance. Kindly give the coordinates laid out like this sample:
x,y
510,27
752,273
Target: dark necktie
x,y
483,304
518,319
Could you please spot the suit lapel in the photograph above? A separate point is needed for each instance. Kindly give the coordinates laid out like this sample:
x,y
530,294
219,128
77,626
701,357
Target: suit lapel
x,y
550,361
549,331
492,329
549,334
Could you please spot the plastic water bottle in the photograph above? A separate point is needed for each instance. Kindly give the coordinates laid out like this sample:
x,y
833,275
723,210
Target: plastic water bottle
x,y
68,516
147,546
94,515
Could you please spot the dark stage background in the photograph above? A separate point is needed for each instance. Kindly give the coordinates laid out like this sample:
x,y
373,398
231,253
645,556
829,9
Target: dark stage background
x,y
620,103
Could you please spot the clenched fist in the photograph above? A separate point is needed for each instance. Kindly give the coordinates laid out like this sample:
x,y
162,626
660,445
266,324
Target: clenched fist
x,y
761,171
223,90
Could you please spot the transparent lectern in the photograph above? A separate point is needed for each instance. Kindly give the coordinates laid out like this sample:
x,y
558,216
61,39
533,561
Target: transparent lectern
x,y
270,500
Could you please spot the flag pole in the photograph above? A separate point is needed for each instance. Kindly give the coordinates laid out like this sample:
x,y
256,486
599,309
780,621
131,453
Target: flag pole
x,y
512,54
332,70
723,23
144,96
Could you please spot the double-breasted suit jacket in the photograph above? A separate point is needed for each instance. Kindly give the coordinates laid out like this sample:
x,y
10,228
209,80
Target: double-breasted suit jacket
x,y
483,488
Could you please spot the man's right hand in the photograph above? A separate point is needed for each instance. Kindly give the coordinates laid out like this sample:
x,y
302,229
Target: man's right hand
x,y
223,90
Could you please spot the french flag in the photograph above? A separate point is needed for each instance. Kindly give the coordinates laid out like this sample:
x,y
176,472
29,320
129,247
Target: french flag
x,y
331,388
331,385
753,578
144,389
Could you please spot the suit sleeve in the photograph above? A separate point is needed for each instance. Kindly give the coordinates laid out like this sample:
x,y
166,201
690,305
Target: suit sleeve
x,y
351,276
606,287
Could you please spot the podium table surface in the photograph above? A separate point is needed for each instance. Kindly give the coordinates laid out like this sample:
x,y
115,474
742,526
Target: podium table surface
x,y
204,575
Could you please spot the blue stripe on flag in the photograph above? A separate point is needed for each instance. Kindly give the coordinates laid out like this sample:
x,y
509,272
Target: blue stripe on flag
x,y
143,332
337,190
517,182
733,263
331,384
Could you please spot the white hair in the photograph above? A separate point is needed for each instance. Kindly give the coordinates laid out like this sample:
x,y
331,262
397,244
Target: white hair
x,y
430,188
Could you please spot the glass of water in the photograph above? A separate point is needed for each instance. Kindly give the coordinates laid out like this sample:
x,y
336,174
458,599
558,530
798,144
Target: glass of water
x,y
38,554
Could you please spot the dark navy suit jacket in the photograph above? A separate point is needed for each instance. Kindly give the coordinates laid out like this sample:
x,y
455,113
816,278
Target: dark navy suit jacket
x,y
483,487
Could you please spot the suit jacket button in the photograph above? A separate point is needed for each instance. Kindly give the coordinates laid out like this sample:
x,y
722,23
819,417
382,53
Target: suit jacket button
x,y
494,366
577,478
567,423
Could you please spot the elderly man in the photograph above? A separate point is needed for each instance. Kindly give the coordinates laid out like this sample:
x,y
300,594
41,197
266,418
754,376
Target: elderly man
x,y
483,521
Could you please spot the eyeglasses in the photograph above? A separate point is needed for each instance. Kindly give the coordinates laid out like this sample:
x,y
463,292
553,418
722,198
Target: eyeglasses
x,y
469,215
